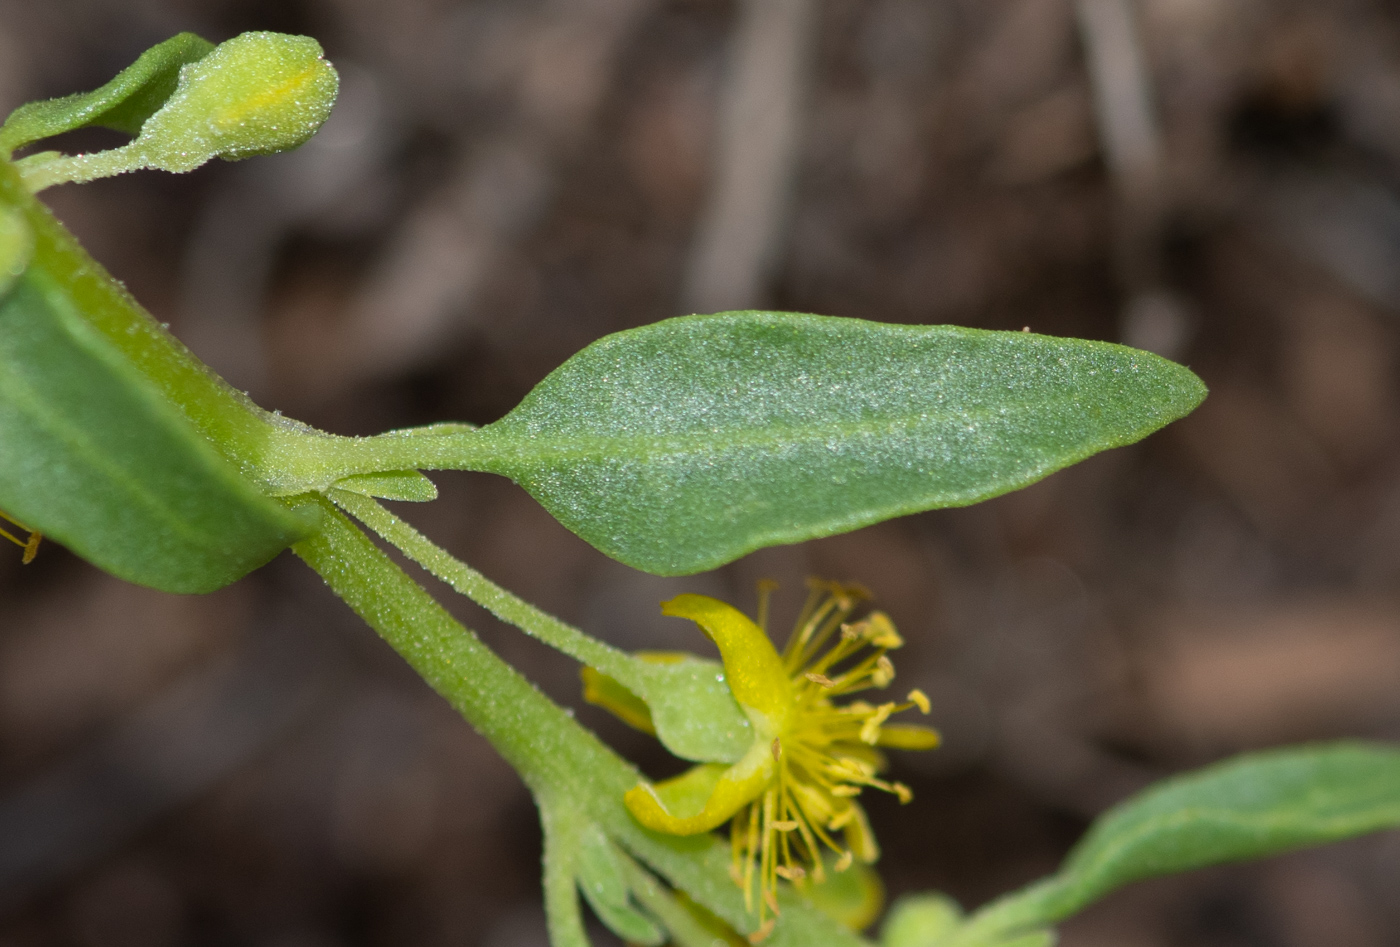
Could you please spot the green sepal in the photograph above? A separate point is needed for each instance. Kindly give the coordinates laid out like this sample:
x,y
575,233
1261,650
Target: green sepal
x,y
123,104
680,446
93,456
692,709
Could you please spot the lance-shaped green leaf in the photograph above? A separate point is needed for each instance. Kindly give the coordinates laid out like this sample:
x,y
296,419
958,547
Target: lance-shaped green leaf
x,y
92,455
123,104
1248,807
603,879
682,445
1245,808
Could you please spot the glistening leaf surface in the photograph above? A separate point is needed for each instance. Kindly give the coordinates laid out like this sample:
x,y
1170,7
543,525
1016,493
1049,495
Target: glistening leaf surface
x,y
123,103
92,455
685,444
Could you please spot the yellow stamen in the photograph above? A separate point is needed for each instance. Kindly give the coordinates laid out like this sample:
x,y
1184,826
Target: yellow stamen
x,y
30,544
796,786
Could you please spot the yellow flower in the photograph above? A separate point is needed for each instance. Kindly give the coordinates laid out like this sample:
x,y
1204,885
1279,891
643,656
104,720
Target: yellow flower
x,y
793,792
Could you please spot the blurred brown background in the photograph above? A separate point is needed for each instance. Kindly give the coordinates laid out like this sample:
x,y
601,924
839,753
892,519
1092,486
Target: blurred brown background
x,y
504,181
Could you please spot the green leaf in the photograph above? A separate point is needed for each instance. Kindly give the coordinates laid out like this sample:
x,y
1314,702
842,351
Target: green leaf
x,y
603,880
93,456
680,446
1248,807
124,104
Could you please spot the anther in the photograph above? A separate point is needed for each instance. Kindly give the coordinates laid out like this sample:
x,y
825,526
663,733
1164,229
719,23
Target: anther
x,y
883,673
795,873
920,700
882,633
777,748
821,680
903,792
787,825
844,861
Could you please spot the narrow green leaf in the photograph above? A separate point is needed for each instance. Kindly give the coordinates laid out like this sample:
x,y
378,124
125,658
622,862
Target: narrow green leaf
x,y
124,104
93,456
682,445
1248,807
603,880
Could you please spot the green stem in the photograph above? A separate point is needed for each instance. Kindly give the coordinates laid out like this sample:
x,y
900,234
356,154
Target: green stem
x,y
555,756
507,607
1034,907
533,733
48,168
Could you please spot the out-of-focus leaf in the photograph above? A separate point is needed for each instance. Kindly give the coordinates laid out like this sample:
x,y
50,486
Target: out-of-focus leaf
x,y
124,104
682,445
853,897
93,456
1249,807
1254,805
920,920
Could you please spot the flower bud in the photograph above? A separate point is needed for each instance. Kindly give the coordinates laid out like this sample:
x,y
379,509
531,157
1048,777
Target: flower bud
x,y
255,94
